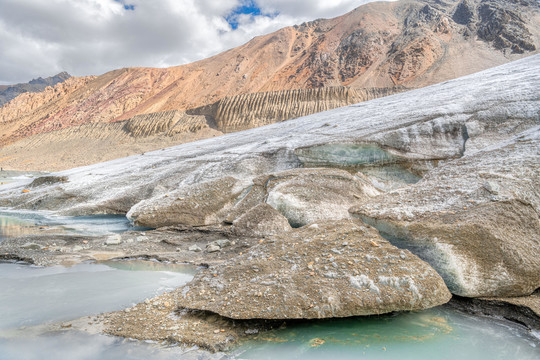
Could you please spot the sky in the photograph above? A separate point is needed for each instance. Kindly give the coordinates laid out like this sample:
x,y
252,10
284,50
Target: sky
x,y
91,37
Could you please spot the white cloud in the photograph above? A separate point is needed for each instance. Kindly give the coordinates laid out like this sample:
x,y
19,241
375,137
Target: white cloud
x,y
44,37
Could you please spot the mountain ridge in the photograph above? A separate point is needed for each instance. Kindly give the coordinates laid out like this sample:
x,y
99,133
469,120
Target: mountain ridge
x,y
10,92
411,43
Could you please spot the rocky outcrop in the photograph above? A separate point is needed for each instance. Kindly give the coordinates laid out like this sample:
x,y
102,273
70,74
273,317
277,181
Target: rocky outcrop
x,y
304,196
10,92
505,26
320,271
476,220
300,196
48,180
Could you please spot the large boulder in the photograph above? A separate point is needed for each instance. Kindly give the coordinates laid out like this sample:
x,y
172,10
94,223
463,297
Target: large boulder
x,y
330,269
261,220
194,205
475,220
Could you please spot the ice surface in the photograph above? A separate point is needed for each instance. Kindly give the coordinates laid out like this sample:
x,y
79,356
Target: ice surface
x,y
115,186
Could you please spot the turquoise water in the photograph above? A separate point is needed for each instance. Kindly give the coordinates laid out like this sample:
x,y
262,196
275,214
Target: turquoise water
x,y
439,333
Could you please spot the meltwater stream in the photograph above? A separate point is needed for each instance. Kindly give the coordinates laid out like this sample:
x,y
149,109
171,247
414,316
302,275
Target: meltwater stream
x,y
31,296
27,222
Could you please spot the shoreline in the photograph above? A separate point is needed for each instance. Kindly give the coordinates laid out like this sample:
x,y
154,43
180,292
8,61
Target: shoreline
x,y
170,323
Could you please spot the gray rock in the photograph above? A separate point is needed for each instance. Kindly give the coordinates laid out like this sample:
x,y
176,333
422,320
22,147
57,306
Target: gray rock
x,y
261,220
302,196
273,279
194,248
114,240
222,243
32,246
212,248
195,205
48,180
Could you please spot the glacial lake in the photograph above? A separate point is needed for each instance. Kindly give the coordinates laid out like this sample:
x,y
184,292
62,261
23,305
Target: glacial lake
x,y
33,296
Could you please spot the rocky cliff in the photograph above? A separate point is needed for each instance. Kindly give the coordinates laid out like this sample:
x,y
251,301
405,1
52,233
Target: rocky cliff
x,y
409,43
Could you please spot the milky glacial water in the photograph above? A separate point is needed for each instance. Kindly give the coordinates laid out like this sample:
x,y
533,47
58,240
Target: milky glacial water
x,y
36,295
32,296
19,223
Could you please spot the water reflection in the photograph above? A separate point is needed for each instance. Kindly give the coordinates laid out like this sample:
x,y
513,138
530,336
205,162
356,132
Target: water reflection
x,y
14,227
74,345
20,223
32,295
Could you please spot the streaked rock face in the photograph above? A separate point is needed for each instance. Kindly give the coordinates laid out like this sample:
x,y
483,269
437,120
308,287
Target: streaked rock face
x,y
476,219
329,269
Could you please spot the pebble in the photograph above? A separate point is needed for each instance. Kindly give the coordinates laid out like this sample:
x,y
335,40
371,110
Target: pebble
x,y
194,248
114,240
222,243
32,246
212,248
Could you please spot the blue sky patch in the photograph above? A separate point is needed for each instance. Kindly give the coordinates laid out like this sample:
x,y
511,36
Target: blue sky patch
x,y
130,7
248,8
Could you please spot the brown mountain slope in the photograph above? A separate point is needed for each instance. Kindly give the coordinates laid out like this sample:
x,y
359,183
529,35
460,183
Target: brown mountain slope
x,y
409,43
96,142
